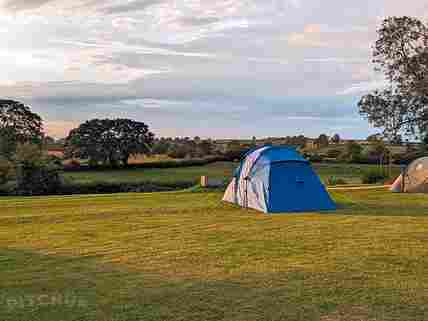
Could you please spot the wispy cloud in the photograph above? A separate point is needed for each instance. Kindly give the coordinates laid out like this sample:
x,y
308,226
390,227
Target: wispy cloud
x,y
363,87
18,5
130,6
123,47
194,64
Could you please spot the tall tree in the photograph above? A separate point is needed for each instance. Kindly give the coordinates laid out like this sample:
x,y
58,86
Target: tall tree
x,y
379,151
18,125
161,146
254,141
322,141
133,138
109,140
206,147
353,152
401,53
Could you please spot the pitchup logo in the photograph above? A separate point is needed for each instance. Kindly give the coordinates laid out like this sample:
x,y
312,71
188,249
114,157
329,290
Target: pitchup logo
x,y
69,300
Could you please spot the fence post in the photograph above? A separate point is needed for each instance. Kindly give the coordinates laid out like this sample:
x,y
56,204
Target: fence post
x,y
204,181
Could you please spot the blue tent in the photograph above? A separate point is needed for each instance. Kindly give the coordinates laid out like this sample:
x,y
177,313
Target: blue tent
x,y
277,179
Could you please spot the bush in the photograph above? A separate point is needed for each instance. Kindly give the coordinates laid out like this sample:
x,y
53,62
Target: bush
x,y
8,189
408,157
37,179
352,153
111,187
373,176
55,160
6,170
37,174
178,152
160,164
332,181
236,153
315,158
72,165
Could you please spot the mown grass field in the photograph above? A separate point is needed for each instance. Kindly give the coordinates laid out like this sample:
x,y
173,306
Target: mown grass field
x,y
351,173
188,256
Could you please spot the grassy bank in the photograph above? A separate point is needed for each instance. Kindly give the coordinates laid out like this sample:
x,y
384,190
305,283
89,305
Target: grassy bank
x,y
351,173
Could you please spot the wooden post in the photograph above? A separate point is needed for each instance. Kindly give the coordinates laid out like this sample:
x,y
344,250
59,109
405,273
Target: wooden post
x,y
211,182
204,181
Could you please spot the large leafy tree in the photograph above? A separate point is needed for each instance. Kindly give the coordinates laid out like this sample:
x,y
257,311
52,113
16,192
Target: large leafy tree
x,y
206,147
109,140
322,141
353,152
18,125
401,53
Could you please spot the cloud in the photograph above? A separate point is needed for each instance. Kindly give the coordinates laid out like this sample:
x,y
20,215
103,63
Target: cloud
x,y
131,6
324,36
302,40
312,28
295,3
195,21
19,5
237,116
363,87
69,93
231,67
123,47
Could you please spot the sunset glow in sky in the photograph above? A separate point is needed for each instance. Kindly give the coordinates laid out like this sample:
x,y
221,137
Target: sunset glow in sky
x,y
218,68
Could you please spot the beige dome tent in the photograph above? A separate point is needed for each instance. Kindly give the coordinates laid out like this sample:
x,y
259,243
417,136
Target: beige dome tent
x,y
414,178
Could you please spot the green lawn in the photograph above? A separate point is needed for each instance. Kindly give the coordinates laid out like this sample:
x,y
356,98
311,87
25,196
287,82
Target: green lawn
x,y
223,170
162,175
188,256
351,173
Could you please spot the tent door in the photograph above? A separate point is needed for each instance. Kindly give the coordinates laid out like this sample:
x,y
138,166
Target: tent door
x,y
296,188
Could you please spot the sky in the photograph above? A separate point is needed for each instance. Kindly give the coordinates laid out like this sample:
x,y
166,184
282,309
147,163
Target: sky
x,y
209,68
